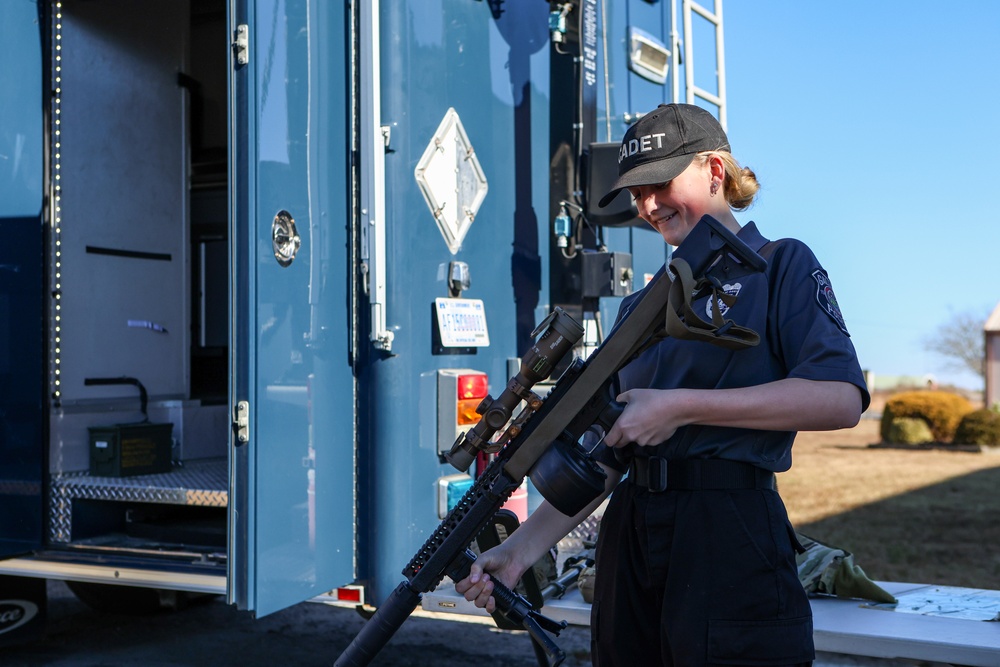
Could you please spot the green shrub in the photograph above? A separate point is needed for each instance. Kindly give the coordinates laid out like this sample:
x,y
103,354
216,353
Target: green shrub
x,y
980,427
942,410
909,431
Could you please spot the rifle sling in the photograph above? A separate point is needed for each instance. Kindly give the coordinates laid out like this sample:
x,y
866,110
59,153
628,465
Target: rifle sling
x,y
685,324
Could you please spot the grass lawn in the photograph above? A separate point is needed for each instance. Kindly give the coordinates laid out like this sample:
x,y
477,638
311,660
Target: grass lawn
x,y
914,515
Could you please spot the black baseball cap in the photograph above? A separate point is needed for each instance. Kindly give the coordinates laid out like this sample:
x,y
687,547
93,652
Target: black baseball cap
x,y
662,144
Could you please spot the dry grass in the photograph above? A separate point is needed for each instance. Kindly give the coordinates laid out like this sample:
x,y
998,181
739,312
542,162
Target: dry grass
x,y
915,515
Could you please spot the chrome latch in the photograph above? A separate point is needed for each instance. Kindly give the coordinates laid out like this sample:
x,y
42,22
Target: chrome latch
x,y
241,420
241,45
285,239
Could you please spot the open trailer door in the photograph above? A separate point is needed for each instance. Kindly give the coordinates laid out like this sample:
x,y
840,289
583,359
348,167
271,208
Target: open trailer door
x,y
21,266
292,392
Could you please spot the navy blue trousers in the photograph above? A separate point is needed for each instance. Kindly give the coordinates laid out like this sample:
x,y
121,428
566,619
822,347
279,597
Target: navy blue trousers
x,y
698,578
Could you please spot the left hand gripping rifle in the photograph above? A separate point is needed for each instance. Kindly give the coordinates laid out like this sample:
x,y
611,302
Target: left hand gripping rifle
x,y
541,442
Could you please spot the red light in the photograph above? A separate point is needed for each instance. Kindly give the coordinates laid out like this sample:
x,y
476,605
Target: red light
x,y
349,594
473,386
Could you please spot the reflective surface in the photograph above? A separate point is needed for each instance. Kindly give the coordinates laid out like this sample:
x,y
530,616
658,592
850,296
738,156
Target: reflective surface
x,y
21,112
294,477
21,333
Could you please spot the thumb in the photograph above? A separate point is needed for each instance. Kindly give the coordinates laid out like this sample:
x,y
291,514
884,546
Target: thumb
x,y
475,572
613,437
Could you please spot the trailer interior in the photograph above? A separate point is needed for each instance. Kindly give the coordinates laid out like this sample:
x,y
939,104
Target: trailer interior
x,y
138,254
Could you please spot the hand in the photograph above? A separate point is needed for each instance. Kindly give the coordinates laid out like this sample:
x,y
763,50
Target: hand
x,y
478,586
651,417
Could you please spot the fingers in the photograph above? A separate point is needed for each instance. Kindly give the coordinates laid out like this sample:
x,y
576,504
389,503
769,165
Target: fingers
x,y
648,419
478,589
464,585
614,437
475,575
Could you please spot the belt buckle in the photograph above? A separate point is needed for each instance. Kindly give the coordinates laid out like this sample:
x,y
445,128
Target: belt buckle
x,y
657,474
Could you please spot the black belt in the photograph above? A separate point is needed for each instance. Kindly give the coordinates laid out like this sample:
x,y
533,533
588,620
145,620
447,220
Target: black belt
x,y
659,474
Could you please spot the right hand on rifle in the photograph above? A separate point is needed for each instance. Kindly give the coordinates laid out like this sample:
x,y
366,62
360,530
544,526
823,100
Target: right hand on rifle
x,y
478,586
650,416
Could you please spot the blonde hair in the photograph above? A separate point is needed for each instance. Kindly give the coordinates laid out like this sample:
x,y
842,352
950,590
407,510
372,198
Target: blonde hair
x,y
740,186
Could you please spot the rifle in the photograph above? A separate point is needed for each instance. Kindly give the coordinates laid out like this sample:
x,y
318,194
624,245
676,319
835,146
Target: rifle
x,y
543,440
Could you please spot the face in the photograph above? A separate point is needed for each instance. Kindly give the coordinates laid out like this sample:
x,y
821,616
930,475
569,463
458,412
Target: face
x,y
673,208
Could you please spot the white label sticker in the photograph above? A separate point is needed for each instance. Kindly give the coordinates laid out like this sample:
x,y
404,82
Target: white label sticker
x,y
462,322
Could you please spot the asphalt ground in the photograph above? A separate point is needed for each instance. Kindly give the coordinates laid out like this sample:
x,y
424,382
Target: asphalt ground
x,y
210,633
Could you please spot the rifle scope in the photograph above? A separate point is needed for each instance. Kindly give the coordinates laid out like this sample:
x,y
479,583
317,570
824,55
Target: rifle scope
x,y
559,333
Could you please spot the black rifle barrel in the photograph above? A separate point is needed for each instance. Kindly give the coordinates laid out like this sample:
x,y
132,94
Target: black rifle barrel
x,y
380,628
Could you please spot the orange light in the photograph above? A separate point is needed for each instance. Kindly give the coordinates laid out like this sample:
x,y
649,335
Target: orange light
x,y
473,386
467,411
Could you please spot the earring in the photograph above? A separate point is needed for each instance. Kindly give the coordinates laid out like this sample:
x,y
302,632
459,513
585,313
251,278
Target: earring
x,y
715,188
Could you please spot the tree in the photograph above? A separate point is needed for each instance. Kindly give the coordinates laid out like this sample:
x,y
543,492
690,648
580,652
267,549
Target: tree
x,y
961,342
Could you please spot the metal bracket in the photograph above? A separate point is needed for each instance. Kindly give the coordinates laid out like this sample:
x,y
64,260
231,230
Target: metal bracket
x,y
374,141
241,45
241,420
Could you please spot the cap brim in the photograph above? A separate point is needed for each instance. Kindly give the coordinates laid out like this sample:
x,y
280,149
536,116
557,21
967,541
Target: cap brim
x,y
650,173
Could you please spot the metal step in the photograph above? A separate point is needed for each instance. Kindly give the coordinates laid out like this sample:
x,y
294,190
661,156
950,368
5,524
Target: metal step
x,y
202,483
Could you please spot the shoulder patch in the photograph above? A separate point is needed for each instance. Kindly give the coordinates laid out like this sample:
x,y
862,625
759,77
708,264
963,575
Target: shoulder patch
x,y
827,300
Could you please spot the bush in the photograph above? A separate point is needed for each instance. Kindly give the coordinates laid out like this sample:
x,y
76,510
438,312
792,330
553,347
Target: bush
x,y
980,427
909,431
942,410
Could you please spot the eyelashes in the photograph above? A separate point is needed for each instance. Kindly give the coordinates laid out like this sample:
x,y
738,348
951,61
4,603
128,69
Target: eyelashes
x,y
635,193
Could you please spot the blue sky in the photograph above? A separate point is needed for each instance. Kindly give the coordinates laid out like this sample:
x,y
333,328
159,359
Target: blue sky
x,y
874,128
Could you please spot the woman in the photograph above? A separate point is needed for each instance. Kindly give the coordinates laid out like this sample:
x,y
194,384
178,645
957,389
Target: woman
x,y
696,557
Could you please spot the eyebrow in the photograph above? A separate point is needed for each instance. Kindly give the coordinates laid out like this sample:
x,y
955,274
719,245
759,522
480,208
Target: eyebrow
x,y
649,185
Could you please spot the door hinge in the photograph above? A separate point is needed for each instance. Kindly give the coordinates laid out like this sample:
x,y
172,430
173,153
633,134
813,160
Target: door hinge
x,y
241,422
241,45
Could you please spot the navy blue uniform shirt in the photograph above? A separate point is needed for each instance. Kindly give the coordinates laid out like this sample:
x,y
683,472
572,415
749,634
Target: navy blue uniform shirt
x,y
802,335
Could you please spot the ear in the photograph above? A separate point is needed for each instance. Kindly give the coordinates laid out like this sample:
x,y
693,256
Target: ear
x,y
717,167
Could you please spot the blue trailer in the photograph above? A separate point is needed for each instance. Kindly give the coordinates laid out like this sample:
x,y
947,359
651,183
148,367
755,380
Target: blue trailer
x,y
267,253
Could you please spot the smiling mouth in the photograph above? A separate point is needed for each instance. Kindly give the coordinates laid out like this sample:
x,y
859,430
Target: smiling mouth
x,y
667,219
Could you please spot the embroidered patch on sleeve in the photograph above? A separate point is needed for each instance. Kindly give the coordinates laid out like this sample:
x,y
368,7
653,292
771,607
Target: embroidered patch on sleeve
x,y
827,300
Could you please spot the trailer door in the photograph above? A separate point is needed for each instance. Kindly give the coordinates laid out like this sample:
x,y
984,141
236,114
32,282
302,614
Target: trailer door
x,y
292,392
21,329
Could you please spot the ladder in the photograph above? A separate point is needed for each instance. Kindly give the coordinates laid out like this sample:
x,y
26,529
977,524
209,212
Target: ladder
x,y
691,90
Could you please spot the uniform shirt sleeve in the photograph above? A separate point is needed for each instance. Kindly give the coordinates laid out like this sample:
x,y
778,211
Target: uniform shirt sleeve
x,y
811,335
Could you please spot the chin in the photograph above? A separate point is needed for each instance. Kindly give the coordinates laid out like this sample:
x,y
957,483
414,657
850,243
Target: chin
x,y
672,237
670,232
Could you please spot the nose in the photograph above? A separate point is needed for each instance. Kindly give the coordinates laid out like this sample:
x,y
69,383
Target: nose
x,y
645,201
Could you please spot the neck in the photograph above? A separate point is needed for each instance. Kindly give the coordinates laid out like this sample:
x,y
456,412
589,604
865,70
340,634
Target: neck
x,y
726,217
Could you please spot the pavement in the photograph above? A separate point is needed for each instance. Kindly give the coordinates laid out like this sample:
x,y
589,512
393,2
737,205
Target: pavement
x,y
210,633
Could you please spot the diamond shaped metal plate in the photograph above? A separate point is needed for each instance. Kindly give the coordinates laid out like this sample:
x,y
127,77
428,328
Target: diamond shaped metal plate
x,y
452,180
